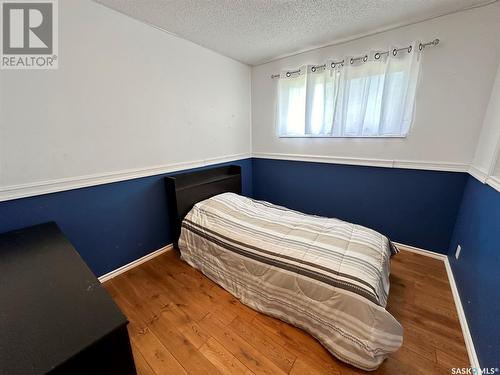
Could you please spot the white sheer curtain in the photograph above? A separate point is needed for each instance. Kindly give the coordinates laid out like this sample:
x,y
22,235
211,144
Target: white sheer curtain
x,y
372,96
321,93
305,101
292,103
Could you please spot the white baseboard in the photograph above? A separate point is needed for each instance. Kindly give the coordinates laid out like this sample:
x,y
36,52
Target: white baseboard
x,y
471,350
417,250
135,263
469,344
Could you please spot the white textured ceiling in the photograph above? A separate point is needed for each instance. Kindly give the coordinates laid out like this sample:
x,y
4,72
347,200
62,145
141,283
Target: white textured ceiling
x,y
256,31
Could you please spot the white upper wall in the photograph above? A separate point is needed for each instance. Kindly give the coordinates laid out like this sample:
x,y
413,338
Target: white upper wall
x,y
456,84
496,170
488,140
488,144
125,96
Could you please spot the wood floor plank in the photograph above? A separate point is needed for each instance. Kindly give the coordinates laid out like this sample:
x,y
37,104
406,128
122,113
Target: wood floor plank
x,y
424,316
156,355
418,342
214,297
293,339
181,348
158,304
161,304
450,358
136,325
177,344
180,317
194,333
297,342
141,365
264,344
176,292
242,350
436,341
418,364
225,362
303,366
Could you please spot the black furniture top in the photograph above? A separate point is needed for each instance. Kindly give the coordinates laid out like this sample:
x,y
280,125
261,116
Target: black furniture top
x,y
184,190
51,305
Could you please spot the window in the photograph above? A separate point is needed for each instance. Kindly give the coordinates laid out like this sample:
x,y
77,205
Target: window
x,y
371,96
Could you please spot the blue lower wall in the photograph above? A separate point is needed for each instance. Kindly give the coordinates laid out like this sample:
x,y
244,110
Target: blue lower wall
x,y
110,225
414,207
113,224
476,271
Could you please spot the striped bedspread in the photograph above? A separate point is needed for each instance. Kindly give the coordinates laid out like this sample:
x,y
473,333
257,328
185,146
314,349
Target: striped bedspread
x,y
326,276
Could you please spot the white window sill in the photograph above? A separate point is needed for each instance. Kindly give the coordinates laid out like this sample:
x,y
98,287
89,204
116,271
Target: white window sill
x,y
343,136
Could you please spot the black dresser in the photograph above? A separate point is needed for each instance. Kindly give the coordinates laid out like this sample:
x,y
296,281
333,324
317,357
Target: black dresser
x,y
55,317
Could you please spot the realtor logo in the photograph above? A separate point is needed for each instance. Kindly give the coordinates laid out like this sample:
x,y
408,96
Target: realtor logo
x,y
29,34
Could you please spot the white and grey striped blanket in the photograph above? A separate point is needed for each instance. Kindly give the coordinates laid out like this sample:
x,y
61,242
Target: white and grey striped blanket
x,y
326,276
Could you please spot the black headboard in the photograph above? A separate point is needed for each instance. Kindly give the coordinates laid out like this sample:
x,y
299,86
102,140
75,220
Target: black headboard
x,y
184,190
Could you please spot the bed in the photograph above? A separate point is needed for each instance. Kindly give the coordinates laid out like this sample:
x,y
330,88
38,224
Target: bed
x,y
323,275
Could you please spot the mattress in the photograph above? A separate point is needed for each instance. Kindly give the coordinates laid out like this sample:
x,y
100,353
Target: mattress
x,y
323,275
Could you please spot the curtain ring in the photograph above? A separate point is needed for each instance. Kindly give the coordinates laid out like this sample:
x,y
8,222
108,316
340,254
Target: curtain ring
x,y
377,56
352,61
313,69
365,59
409,49
333,65
288,74
420,47
394,52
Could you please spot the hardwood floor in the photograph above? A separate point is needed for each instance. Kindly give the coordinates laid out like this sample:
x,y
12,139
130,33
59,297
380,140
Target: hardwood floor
x,y
183,323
